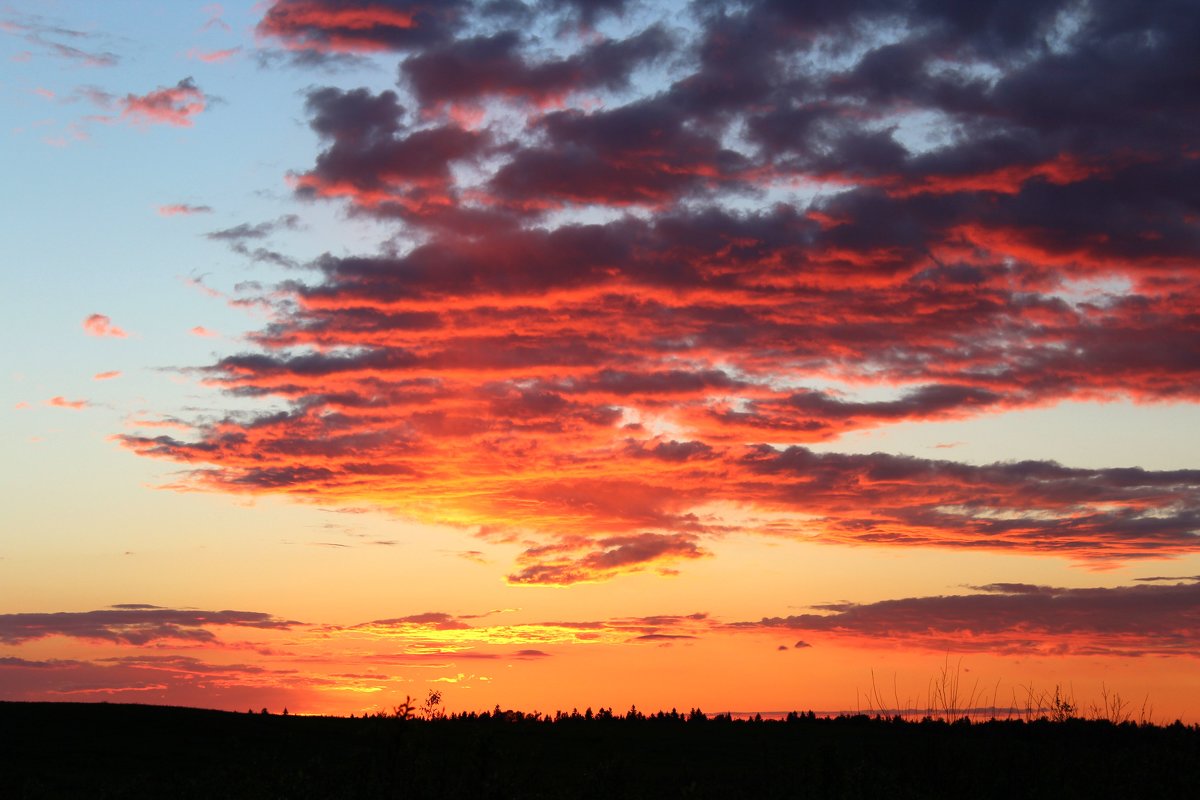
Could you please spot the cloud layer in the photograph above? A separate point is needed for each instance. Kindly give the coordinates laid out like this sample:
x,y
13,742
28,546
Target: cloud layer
x,y
636,273
135,624
1017,619
145,653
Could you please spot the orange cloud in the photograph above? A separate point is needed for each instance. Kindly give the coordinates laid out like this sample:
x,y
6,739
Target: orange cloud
x,y
101,325
104,376
61,402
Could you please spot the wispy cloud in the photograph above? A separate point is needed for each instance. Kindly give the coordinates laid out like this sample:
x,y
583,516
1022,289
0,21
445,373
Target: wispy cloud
x,y
213,56
58,41
183,209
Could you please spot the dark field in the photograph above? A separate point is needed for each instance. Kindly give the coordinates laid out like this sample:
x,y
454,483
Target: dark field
x,y
100,750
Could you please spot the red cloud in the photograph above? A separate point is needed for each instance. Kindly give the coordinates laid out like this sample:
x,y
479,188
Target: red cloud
x,y
175,105
101,325
359,25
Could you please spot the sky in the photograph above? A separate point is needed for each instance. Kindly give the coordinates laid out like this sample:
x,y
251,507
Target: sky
x,y
748,356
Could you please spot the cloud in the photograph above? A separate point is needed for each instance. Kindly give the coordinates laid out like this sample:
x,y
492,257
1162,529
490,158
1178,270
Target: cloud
x,y
435,634
59,401
101,325
1014,619
132,624
178,680
239,236
1031,506
183,209
171,654
261,230
558,564
59,42
530,654
213,56
471,69
642,154
174,105
203,332
215,19
360,25
106,376
1178,579
617,314
379,162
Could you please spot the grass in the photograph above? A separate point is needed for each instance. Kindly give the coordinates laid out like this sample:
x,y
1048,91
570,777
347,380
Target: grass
x,y
948,699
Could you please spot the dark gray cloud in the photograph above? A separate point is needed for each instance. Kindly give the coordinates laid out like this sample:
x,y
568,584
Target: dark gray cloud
x,y
1018,619
135,624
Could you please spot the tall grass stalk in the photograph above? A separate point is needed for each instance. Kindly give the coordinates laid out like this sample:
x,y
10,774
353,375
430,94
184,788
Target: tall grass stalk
x,y
947,697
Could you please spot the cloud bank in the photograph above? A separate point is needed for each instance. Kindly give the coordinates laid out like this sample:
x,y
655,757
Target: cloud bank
x,y
637,272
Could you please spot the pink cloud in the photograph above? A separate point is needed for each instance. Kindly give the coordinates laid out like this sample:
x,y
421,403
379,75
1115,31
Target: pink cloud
x,y
21,406
59,401
104,376
173,105
183,209
200,330
213,56
101,325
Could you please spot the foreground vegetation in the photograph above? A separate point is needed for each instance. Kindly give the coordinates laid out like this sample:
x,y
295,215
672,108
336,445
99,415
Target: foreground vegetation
x,y
51,750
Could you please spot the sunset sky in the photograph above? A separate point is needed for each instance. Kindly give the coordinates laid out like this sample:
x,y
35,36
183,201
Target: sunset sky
x,y
569,353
